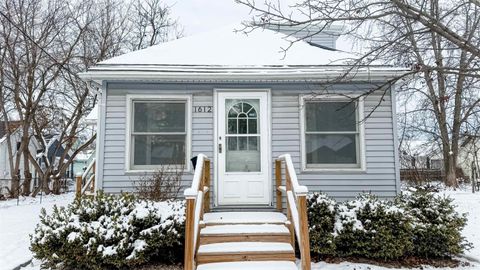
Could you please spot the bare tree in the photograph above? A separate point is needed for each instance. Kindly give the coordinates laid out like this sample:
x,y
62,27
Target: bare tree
x,y
43,45
152,24
439,41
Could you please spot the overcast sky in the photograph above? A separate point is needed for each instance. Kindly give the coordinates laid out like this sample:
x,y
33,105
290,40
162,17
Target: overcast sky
x,y
202,15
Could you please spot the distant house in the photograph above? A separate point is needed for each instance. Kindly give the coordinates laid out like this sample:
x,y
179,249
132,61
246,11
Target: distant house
x,y
469,155
52,153
16,133
242,101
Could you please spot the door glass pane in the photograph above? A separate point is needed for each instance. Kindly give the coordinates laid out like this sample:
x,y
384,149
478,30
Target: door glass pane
x,y
331,148
242,126
242,139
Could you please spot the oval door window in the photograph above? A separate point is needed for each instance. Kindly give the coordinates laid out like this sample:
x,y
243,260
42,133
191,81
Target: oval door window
x,y
243,135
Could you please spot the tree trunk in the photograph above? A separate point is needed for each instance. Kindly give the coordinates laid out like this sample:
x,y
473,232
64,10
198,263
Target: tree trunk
x,y
27,182
451,173
26,173
15,185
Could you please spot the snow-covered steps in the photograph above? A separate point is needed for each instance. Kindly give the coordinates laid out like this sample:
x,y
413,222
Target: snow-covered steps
x,y
245,240
260,265
244,233
221,218
245,251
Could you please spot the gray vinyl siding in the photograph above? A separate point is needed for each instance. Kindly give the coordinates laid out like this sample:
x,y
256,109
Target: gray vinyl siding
x,y
381,168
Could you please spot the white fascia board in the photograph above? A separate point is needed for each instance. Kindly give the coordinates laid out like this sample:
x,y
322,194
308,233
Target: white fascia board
x,y
367,74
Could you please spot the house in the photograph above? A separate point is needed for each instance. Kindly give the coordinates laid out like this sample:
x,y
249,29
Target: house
x,y
267,126
242,101
15,137
52,153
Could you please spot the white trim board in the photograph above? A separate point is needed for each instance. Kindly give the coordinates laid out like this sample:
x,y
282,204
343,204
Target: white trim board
x,y
268,135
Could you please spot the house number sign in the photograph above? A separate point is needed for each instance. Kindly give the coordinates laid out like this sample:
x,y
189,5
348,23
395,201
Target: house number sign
x,y
202,109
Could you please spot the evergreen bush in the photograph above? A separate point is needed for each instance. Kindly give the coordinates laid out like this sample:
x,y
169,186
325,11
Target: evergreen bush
x,y
110,232
418,223
437,226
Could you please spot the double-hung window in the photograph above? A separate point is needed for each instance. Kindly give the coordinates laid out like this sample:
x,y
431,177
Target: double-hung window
x,y
158,133
331,134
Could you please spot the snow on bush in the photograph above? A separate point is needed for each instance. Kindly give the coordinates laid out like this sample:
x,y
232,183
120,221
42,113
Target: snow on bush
x,y
110,232
437,226
381,229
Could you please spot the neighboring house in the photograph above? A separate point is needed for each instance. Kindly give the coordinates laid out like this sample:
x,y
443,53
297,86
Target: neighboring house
x,y
52,153
469,155
242,101
418,154
82,160
15,137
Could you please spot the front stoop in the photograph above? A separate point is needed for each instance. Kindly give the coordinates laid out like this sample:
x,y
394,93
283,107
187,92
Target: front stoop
x,y
245,240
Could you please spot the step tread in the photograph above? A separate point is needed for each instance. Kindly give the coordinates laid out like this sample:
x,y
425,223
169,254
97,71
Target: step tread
x,y
255,265
240,229
244,218
245,247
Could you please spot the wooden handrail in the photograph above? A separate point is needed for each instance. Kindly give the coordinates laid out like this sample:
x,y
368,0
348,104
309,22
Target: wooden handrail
x,y
86,180
198,202
296,207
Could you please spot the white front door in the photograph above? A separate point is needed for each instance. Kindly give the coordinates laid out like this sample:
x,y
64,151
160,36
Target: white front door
x,y
243,148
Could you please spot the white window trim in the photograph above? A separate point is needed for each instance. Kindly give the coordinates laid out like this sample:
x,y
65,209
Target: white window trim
x,y
128,138
361,132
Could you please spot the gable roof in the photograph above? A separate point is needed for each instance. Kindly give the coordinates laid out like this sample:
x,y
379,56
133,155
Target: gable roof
x,y
227,47
228,53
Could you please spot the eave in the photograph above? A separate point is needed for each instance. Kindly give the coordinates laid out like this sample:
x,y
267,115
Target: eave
x,y
168,73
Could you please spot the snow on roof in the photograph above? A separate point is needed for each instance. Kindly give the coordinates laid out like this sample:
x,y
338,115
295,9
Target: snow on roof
x,y
228,47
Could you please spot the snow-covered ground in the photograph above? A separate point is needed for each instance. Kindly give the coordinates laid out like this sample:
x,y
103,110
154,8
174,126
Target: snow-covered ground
x,y
468,202
17,222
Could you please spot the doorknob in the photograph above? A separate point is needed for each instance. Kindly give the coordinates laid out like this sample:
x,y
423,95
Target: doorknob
x,y
219,148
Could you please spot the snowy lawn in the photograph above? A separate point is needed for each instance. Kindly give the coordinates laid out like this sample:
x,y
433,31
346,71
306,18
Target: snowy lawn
x,y
17,222
469,203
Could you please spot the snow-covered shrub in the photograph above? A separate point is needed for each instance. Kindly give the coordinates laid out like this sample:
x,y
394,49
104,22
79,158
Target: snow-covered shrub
x,y
110,232
321,217
372,228
419,223
436,225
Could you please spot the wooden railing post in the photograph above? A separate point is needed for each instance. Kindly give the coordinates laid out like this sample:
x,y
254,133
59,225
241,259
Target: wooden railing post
x,y
206,203
291,227
278,181
92,185
304,242
189,234
78,185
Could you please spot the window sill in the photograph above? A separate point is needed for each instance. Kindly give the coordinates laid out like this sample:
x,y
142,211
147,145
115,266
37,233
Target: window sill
x,y
334,170
149,171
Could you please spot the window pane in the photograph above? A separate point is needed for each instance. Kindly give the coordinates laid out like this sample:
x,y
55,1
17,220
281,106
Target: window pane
x,y
252,126
242,126
232,126
159,116
252,143
232,143
331,149
245,158
330,116
159,150
242,143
